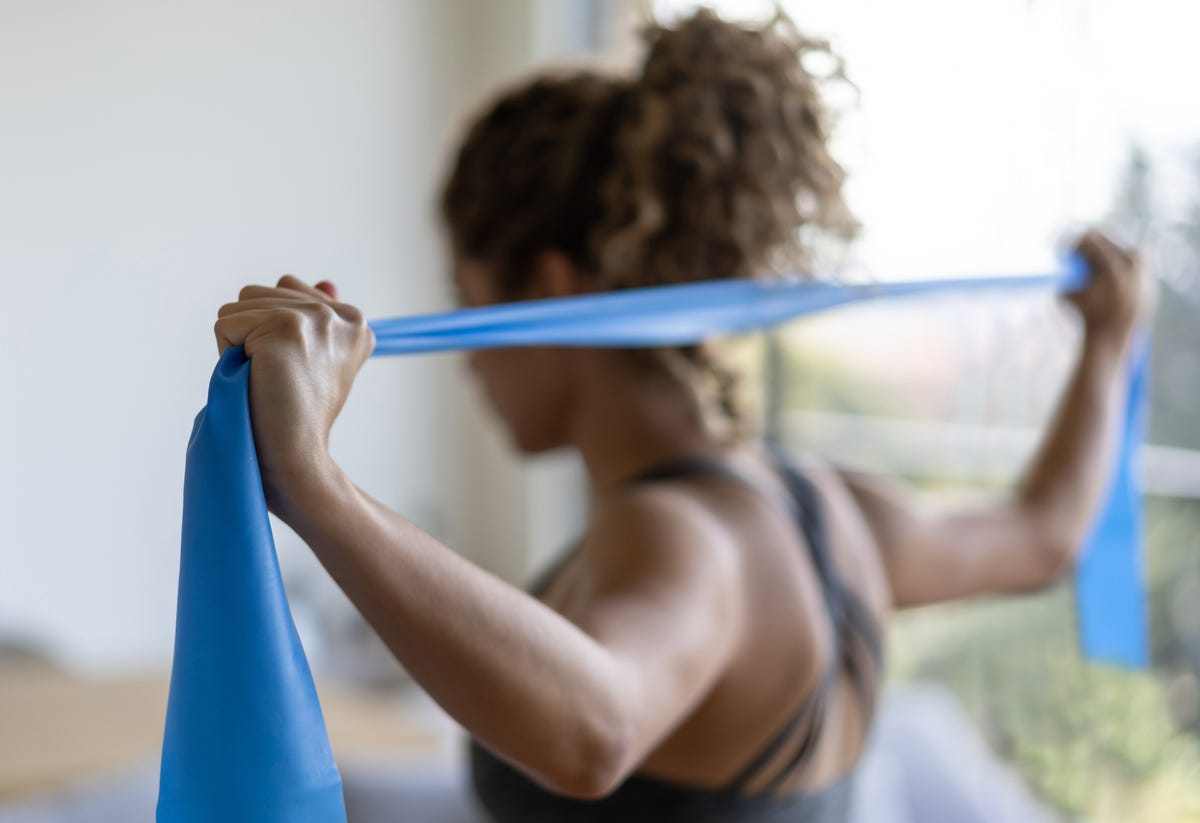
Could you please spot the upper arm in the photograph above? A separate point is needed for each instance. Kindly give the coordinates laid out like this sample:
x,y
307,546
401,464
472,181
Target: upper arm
x,y
932,556
664,600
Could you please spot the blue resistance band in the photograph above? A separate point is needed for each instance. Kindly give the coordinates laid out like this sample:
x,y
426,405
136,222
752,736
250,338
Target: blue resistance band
x,y
245,741
668,315
1110,590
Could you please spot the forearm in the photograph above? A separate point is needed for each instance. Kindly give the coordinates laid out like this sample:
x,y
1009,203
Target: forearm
x,y
512,671
1028,540
1062,487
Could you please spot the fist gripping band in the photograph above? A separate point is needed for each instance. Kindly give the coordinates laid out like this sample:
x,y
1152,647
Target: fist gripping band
x,y
245,741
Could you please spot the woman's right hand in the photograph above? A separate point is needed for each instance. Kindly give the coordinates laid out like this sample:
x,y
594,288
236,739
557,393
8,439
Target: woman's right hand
x,y
305,349
1119,294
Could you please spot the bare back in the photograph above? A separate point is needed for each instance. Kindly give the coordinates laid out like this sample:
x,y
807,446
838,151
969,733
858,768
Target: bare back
x,y
789,643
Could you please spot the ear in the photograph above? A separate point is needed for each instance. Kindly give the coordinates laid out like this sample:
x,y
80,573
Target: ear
x,y
556,275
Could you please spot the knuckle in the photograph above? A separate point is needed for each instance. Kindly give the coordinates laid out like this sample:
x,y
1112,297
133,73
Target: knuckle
x,y
292,323
314,320
325,313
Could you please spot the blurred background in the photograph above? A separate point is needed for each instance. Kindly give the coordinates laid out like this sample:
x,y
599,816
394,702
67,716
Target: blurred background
x,y
155,157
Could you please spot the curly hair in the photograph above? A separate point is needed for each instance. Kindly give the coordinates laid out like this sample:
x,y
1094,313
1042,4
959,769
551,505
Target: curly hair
x,y
713,163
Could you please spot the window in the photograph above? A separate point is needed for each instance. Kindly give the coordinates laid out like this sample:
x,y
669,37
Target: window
x,y
984,131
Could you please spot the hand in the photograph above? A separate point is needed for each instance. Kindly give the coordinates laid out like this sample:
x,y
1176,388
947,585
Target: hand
x,y
305,349
1119,294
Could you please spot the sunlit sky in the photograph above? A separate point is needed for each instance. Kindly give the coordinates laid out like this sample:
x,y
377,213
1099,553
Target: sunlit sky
x,y
989,128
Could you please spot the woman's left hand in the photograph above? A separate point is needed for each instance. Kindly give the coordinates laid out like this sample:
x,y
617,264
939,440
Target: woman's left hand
x,y
305,349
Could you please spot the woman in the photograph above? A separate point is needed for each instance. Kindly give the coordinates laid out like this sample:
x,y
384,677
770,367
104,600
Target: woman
x,y
711,650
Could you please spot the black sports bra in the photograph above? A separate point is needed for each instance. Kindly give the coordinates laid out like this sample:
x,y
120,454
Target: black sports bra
x,y
511,797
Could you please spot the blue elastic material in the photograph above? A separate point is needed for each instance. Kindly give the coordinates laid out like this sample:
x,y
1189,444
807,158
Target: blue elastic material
x,y
667,315
1110,592
245,740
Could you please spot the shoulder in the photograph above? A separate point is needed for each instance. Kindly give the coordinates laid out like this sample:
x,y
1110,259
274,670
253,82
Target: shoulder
x,y
845,493
663,531
836,487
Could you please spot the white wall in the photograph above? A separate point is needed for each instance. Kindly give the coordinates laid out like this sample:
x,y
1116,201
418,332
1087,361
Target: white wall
x,y
154,157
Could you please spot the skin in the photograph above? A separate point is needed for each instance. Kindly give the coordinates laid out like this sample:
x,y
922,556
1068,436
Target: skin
x,y
689,626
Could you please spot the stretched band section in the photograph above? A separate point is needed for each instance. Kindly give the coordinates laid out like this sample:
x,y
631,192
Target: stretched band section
x,y
671,315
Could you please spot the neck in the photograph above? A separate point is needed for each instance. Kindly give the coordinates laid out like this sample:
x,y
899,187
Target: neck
x,y
629,417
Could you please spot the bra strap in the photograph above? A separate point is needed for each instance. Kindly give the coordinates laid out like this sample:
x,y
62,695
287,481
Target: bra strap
x,y
687,467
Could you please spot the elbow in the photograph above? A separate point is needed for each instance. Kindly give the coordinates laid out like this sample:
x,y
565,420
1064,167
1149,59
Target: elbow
x,y
1060,562
598,762
1053,537
1056,558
